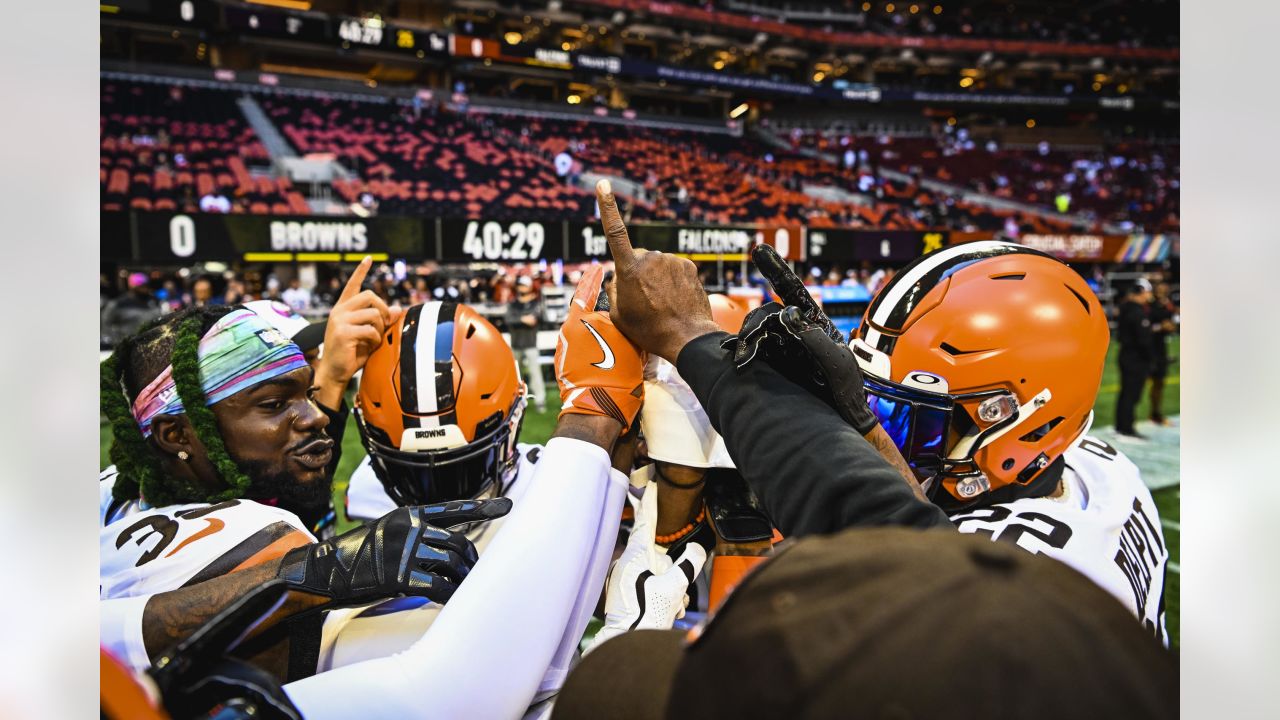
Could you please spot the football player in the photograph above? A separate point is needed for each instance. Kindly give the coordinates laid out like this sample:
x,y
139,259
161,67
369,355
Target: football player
x,y
982,362
558,544
219,449
552,551
439,410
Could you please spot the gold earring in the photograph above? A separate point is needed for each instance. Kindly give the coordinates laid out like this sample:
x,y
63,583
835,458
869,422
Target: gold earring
x,y
183,456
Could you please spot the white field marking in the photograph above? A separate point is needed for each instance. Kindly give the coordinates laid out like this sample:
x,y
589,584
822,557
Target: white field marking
x,y
1175,567
1173,525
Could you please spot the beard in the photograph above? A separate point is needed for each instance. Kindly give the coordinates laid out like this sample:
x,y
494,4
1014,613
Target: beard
x,y
272,484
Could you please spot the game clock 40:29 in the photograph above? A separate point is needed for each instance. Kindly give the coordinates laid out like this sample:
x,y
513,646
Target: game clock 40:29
x,y
491,240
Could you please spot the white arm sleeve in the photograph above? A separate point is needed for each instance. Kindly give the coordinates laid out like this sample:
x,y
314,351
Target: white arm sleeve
x,y
120,630
592,584
512,617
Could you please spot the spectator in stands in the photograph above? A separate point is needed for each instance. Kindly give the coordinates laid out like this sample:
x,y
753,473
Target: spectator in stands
x,y
420,293
328,296
502,292
564,165
215,202
1164,318
235,292
202,292
1134,335
297,297
168,295
379,288
522,322
125,314
367,199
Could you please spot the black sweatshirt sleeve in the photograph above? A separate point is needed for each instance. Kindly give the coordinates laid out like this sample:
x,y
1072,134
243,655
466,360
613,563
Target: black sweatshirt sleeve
x,y
813,473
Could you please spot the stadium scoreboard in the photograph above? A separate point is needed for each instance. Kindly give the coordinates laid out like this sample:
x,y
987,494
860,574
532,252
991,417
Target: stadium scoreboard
x,y
168,238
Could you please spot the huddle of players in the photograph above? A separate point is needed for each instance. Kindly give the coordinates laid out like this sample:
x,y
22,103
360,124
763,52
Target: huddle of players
x,y
979,364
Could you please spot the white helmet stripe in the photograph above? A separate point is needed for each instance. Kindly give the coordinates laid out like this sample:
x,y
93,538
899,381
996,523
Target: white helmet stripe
x,y
424,356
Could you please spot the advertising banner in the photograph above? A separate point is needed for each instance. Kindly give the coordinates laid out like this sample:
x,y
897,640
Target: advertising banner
x,y
1077,247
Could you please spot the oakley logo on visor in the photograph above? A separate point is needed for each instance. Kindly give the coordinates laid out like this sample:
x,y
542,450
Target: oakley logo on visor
x,y
925,381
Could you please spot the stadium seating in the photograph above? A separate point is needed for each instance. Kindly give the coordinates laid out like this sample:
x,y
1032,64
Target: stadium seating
x,y
741,180
1135,182
166,147
435,164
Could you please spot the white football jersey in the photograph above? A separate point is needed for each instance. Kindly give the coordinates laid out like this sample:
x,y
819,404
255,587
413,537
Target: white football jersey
x,y
355,634
149,550
1103,524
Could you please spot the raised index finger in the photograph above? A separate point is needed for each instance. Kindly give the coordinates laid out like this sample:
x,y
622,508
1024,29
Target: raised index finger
x,y
357,279
614,229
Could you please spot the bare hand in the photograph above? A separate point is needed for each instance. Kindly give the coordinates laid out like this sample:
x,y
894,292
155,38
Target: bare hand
x,y
356,326
661,304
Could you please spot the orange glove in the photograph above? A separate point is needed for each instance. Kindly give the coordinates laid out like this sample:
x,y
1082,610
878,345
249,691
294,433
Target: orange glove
x,y
600,372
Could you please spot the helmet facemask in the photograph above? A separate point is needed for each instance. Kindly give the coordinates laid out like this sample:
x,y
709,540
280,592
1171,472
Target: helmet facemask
x,y
423,477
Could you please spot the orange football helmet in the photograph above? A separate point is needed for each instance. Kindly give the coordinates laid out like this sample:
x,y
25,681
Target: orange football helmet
x,y
440,406
982,362
728,312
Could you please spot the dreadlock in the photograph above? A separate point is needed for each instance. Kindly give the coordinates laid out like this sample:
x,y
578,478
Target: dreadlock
x,y
136,361
186,376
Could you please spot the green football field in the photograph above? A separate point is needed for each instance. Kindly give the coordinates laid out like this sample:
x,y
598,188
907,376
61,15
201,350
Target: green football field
x,y
538,427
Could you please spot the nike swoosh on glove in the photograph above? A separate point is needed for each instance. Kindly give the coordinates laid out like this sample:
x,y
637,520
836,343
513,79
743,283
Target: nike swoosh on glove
x,y
646,589
600,372
407,552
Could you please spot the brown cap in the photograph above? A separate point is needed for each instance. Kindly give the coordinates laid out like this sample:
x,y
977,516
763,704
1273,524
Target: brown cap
x,y
891,623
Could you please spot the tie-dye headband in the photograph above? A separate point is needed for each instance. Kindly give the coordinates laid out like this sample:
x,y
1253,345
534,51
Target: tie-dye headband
x,y
240,350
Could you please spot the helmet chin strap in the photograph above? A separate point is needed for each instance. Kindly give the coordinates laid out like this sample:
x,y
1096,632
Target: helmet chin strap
x,y
965,446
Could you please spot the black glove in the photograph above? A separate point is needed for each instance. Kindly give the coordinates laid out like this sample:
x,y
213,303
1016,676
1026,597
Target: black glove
x,y
406,552
836,369
802,343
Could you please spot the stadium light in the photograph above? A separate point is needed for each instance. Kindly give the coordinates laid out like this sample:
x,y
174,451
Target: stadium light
x,y
966,82
1031,122
889,8
573,99
937,9
914,9
739,110
513,38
